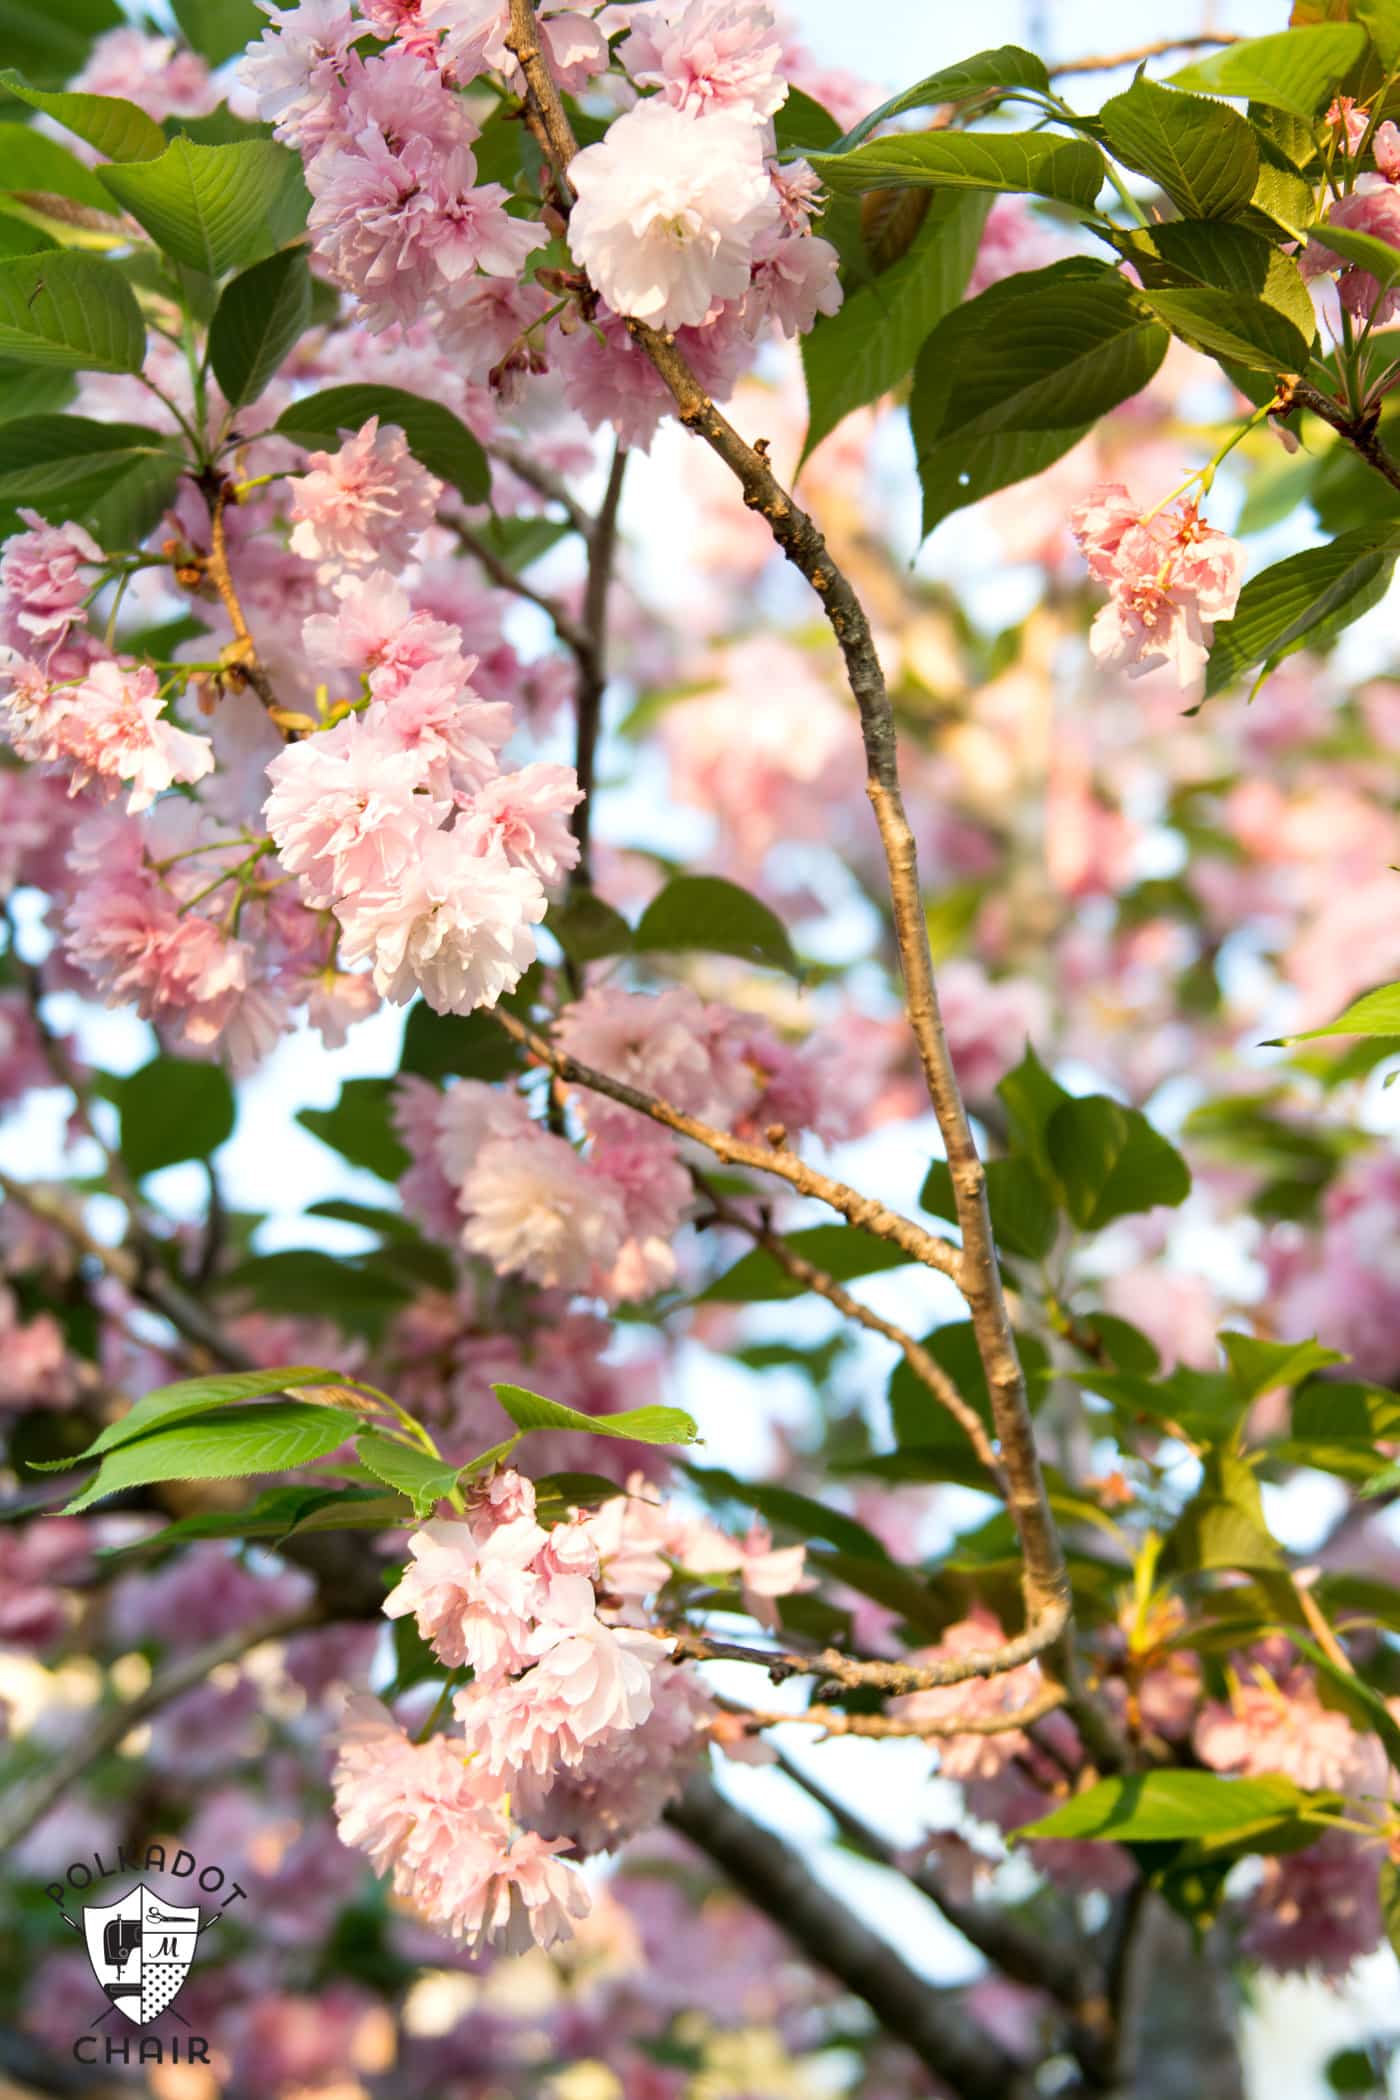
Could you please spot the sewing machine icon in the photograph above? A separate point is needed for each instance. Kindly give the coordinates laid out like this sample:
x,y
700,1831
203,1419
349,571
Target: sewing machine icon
x,y
140,1948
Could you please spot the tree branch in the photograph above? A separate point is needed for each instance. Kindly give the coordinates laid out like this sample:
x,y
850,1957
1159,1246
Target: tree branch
x,y
834,1720
772,1876
593,669
1116,59
888,1675
1045,1581
862,1211
1360,431
242,655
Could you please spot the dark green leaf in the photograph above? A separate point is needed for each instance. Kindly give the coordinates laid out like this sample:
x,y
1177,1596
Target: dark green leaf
x,y
217,29
413,1471
32,390
839,1250
1203,155
271,1438
1030,1097
18,237
195,1396
1299,70
641,1425
174,1109
1231,325
1203,1405
1308,597
440,440
587,929
214,207
1188,254
859,353
1258,1366
1157,1807
274,1515
1024,1214
357,1293
49,41
706,912
803,126
466,1046
1111,1162
1006,67
798,1514
917,1418
1338,1410
261,316
68,462
1012,379
1390,1901
69,310
118,129
35,166
359,1128
1069,170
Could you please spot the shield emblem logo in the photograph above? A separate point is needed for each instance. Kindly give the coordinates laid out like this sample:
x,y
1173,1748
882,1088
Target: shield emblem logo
x,y
140,1948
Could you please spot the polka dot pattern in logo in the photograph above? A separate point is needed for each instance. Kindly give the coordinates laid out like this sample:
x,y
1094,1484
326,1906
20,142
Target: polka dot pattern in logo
x,y
160,1983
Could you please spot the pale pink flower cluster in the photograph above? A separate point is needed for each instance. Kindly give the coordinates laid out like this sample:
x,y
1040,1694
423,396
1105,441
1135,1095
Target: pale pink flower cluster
x,y
531,1203
362,506
1279,1724
682,210
575,1721
1170,578
1373,210
1341,1281
398,216
151,71
399,820
973,1757
1316,1910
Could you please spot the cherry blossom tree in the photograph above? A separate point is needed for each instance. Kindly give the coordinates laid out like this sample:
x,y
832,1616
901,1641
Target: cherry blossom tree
x,y
906,1000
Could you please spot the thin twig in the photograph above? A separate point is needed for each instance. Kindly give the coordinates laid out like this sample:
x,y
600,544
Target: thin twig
x,y
1360,432
33,1798
1045,1580
833,1720
1114,60
593,670
505,578
926,1367
886,1674
242,656
862,1211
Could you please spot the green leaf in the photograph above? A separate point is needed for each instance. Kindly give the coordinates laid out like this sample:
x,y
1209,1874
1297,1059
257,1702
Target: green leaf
x,y
1186,254
468,1046
1110,1161
802,125
1041,162
1337,1410
1153,1808
261,316
214,207
799,1514
1204,1405
839,1250
1030,1097
1203,155
1009,381
587,928
358,1293
437,438
1259,1366
173,1109
195,1396
1375,1013
68,462
1232,325
854,356
1223,1526
274,1515
1006,67
35,166
69,310
1389,1891
706,912
18,237
1381,21
1024,1213
414,1472
118,129
919,1422
359,1128
218,29
1307,598
50,41
1299,70
270,1438
641,1425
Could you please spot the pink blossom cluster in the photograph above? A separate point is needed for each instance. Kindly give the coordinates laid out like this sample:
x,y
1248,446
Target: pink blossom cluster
x,y
1373,210
160,77
530,1202
1170,578
577,1726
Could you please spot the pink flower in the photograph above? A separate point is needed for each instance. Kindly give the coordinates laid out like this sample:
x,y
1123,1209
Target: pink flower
x,y
1316,1909
710,55
525,815
290,69
1013,240
657,1044
149,71
623,1784
108,728
1386,147
669,211
1345,117
973,1757
473,1591
349,812
591,1680
364,504
40,575
988,1021
456,926
1170,578
476,40
36,1369
535,1208
1375,212
469,1115
1282,1726
795,278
